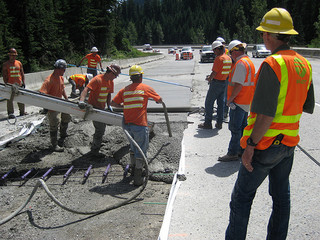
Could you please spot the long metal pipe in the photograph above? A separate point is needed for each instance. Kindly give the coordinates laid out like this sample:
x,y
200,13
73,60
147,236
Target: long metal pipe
x,y
146,78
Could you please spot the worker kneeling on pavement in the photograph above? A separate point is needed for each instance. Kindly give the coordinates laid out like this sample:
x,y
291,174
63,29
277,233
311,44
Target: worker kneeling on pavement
x,y
79,81
134,100
54,86
99,89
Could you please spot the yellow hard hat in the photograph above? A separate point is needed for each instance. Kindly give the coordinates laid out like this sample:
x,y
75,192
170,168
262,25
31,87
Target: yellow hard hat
x,y
135,70
277,20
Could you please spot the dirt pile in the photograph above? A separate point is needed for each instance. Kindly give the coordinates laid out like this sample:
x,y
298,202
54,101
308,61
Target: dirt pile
x,y
42,219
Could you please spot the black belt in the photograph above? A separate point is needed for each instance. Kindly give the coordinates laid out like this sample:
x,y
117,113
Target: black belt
x,y
278,139
216,80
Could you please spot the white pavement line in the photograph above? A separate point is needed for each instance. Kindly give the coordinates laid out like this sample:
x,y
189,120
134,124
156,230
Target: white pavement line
x,y
164,231
317,104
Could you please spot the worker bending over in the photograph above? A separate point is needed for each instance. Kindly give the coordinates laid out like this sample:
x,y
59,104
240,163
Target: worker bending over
x,y
79,81
99,89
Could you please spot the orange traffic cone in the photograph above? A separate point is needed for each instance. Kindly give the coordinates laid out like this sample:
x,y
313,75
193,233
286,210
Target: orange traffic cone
x,y
177,56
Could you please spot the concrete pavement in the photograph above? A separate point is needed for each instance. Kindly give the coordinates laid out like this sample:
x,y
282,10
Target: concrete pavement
x,y
198,208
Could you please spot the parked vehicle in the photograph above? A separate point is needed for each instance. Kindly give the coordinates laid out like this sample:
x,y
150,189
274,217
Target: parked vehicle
x,y
186,53
171,51
147,47
260,50
206,54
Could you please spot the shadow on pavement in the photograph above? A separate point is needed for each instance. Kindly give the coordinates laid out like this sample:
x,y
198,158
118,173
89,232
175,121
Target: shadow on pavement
x,y
223,169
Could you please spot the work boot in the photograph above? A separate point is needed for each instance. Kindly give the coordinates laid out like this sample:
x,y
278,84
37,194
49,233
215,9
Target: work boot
x,y
95,153
205,125
54,142
138,178
132,163
218,125
73,95
11,116
63,133
23,113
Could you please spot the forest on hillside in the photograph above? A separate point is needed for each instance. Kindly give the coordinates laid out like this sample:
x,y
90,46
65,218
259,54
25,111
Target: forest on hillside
x,y
201,21
45,30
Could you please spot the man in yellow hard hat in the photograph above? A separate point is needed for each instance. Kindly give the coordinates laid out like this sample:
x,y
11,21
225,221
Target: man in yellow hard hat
x,y
284,90
134,100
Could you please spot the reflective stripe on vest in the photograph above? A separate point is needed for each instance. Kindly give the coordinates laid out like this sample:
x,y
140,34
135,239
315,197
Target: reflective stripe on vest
x,y
14,72
92,63
284,123
133,99
226,67
246,94
103,95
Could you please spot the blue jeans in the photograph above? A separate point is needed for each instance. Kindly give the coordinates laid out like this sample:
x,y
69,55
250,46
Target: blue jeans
x,y
141,135
237,122
275,162
94,72
215,92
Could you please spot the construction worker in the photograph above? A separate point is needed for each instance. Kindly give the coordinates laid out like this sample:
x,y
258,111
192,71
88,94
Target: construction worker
x,y
99,89
12,72
54,86
134,100
284,90
79,81
240,93
226,108
93,60
217,84
220,39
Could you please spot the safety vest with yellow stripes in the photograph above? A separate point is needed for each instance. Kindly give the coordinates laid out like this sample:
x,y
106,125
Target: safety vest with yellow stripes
x,y
133,99
294,73
246,94
103,95
14,75
79,79
225,67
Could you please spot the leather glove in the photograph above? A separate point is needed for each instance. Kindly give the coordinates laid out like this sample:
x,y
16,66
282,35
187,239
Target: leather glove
x,y
82,105
102,70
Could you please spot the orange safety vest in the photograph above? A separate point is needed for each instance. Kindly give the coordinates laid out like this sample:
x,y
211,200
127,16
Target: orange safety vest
x,y
294,73
13,72
224,64
246,94
79,79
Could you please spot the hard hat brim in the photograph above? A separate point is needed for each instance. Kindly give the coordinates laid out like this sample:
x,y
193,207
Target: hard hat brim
x,y
266,29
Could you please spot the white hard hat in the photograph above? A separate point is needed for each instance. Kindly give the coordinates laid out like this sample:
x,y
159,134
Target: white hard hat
x,y
220,39
89,76
94,49
61,64
216,44
235,43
